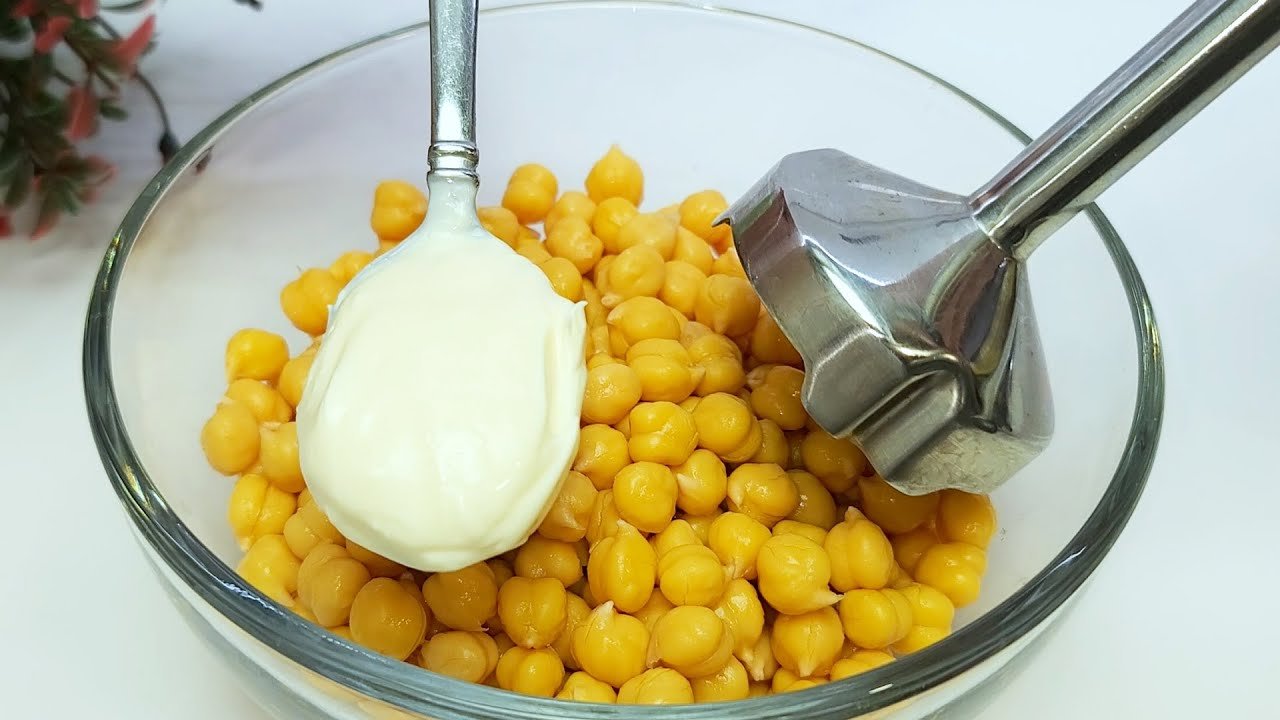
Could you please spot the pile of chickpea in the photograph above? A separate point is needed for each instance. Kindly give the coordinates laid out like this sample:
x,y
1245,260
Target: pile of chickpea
x,y
710,543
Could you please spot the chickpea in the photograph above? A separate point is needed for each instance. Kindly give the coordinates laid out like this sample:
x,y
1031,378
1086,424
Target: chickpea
x,y
837,462
759,661
634,272
463,599
701,483
740,607
565,279
908,547
955,569
690,574
612,647
278,454
813,532
810,643
272,568
763,492
661,432
665,369
387,618
576,613
230,439
536,671
572,240
699,211
858,663
693,250
398,209
816,506
571,510
727,428
659,686
530,193
737,539
721,361
533,611
775,395
615,175
892,510
623,568
258,508
728,263
294,376
773,445
611,392
309,527
770,345
581,687
727,304
306,301
692,640
645,318
611,214
861,556
266,404
571,204
468,656
674,535
793,574
652,230
604,518
378,566
730,682
875,619
602,452
501,223
681,287
965,517
328,581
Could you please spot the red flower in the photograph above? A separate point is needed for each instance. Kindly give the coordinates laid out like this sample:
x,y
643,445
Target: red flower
x,y
6,229
24,8
82,112
51,34
127,50
86,8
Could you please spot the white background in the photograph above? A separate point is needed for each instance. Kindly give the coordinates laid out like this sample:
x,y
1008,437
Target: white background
x,y
1179,622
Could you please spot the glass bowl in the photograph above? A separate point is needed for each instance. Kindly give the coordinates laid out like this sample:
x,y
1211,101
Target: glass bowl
x,y
702,98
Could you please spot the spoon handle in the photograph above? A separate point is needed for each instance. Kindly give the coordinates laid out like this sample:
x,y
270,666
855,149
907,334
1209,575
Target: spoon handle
x,y
1158,90
453,88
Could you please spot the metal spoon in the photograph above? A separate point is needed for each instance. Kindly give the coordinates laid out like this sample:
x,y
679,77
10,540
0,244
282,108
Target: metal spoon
x,y
910,305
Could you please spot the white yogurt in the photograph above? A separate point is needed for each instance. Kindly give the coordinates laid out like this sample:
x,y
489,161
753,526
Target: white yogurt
x,y
441,411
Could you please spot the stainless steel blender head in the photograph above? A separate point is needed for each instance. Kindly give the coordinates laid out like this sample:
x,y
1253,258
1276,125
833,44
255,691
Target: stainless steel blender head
x,y
911,305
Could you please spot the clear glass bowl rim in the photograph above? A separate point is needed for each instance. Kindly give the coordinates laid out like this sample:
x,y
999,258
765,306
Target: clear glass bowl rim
x,y
433,695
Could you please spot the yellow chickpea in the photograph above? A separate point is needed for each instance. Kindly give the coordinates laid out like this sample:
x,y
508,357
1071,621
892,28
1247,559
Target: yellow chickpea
x,y
875,619
775,394
908,547
691,574
272,568
659,686
309,527
649,229
660,432
645,495
955,569
770,345
737,539
730,682
533,612
675,535
965,517
759,661
612,647
581,687
701,483
530,193
623,568
604,518
816,506
610,215
530,671
861,556
463,599
615,175
837,462
763,492
740,607
602,452
328,581
541,557
721,362
786,681
306,301
773,445
681,287
691,640
644,318
387,618
469,656
501,223
293,376
694,251
727,428
701,524
565,279
728,263
635,272
793,573
349,264
266,404
571,204
727,304
258,508
611,392
278,454
378,566
665,369
813,532
572,240
230,438
858,663
398,209
532,250
699,211
571,510
892,510
810,643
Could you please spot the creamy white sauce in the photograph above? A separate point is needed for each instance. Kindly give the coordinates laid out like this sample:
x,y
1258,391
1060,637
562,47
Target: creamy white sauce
x,y
441,411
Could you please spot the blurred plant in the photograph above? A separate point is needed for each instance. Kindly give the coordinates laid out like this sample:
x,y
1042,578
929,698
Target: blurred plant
x,y
62,69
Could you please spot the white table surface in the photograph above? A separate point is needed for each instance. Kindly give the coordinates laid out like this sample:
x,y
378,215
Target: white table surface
x,y
1179,620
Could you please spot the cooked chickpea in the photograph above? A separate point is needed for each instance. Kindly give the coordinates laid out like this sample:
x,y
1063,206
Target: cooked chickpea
x,y
740,608
278,454
378,566
272,568
908,547
638,271
966,517
604,518
611,391
264,401
306,301
691,574
955,569
501,223
659,686
615,175
859,662
893,510
572,240
763,492
309,527
813,532
660,432
468,656
837,462
875,619
533,611
701,483
817,506
793,573
737,539
645,318
721,362
770,345
681,286
463,599
398,209
581,687
328,581
536,671
773,445
532,250
542,557
645,494
571,204
785,681
230,438
674,535
693,250
293,376
565,279
810,643
665,369
576,613
728,263
530,193
387,619
775,395
699,211
727,428
610,215
612,647
692,640
727,304
861,556
602,452
759,661
730,682
571,510
652,230
623,568
258,508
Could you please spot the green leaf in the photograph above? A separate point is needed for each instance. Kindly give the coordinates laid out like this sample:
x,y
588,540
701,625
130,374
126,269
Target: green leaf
x,y
14,29
111,111
20,185
10,151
